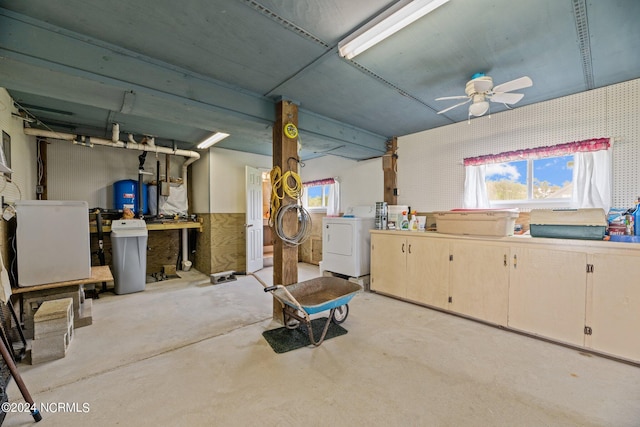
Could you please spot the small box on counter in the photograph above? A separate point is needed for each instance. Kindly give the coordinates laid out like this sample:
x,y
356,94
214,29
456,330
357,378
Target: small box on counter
x,y
587,224
394,215
478,222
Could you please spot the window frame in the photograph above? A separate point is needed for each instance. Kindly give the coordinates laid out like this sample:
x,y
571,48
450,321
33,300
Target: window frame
x,y
325,195
531,202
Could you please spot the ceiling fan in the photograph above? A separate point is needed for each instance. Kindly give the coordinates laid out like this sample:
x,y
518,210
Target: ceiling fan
x,y
480,90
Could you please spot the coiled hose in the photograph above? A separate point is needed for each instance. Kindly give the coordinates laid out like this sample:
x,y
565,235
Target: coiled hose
x,y
304,224
288,184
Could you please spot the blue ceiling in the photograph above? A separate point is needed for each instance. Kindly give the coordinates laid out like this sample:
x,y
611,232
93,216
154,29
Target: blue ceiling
x,y
182,70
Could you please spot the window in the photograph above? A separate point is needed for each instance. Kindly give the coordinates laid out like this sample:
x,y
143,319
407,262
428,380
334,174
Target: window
x,y
316,196
322,194
571,175
548,178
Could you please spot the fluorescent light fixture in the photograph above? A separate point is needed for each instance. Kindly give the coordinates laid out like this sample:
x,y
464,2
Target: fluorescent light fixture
x,y
386,24
216,137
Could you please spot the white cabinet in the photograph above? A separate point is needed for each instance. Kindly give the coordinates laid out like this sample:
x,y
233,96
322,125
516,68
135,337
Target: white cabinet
x,y
613,310
410,267
389,264
427,271
547,293
581,293
479,285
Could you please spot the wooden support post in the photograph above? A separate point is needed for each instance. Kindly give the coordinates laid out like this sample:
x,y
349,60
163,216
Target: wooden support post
x,y
389,161
42,166
167,168
285,257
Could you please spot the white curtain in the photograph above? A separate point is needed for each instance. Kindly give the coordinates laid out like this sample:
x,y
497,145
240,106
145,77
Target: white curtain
x,y
333,205
592,179
475,189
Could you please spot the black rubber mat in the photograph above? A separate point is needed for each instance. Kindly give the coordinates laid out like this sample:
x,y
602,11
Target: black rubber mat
x,y
283,340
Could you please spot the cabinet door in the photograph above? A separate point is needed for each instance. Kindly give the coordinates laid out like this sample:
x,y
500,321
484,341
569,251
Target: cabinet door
x,y
428,271
480,281
547,293
388,264
615,305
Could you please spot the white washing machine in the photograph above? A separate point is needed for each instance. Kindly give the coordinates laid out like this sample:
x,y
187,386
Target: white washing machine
x,y
346,241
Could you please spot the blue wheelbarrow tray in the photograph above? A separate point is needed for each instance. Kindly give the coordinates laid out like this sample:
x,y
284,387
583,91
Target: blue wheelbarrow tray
x,y
319,294
300,300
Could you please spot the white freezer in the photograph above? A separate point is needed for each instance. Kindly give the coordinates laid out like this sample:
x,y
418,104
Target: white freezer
x,y
346,245
52,239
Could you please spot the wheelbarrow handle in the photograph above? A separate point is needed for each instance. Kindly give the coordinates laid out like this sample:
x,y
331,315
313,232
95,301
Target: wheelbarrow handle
x,y
291,298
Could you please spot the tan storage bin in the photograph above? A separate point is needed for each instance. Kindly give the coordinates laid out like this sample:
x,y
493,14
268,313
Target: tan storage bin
x,y
477,222
589,224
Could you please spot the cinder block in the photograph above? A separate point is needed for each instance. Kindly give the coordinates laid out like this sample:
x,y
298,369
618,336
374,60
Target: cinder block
x,y
54,317
225,276
33,300
54,309
362,281
50,348
52,327
86,317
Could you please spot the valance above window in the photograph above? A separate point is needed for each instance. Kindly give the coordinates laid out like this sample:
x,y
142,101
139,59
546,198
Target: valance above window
x,y
324,181
330,196
591,181
588,145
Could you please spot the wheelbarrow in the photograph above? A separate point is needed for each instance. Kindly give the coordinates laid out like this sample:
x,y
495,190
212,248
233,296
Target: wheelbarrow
x,y
301,300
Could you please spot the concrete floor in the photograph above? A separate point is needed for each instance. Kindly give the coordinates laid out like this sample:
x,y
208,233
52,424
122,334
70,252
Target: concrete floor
x,y
185,352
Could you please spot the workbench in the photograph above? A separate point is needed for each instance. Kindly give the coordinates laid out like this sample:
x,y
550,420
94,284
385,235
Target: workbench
x,y
31,297
151,226
165,241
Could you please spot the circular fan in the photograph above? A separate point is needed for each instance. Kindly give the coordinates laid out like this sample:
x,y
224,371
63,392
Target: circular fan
x,y
480,90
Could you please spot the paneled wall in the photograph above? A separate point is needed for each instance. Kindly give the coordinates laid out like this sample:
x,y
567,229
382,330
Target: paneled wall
x,y
22,155
430,170
311,250
221,245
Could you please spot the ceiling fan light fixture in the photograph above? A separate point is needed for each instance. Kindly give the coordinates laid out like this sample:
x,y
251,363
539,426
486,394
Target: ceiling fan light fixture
x,y
213,139
478,108
386,24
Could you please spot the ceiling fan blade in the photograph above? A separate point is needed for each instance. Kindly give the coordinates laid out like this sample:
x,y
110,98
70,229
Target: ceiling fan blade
x,y
516,84
454,106
506,98
452,97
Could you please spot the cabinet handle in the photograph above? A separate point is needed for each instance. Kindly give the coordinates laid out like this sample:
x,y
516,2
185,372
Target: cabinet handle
x,y
403,248
505,260
515,261
409,248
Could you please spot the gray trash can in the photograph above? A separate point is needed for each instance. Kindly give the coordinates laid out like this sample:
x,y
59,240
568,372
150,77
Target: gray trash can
x,y
129,244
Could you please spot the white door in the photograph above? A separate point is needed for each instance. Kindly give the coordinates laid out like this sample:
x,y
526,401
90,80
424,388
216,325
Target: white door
x,y
253,219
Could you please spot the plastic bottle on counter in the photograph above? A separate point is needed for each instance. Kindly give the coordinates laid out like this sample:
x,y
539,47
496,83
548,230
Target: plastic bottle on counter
x,y
404,224
413,224
636,219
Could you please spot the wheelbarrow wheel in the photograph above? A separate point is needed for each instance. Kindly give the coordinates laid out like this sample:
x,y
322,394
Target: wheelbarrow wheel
x,y
340,314
289,321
